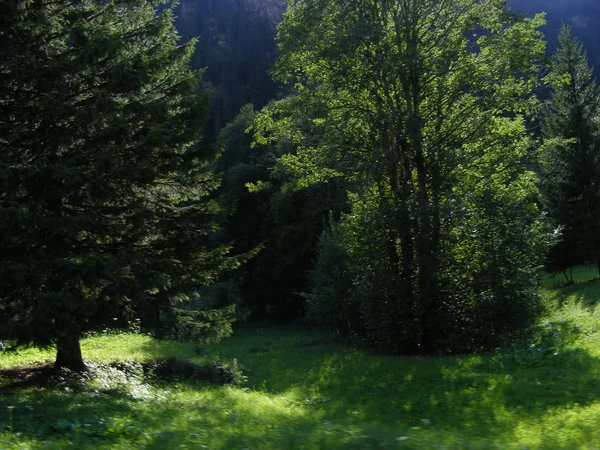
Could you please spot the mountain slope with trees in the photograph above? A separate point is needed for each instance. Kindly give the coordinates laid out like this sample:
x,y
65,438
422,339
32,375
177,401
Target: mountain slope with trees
x,y
237,48
237,41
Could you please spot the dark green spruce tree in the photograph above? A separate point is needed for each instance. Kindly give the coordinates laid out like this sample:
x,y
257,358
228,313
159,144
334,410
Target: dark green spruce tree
x,y
571,163
104,214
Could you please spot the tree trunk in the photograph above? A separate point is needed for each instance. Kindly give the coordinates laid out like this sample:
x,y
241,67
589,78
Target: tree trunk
x,y
68,353
429,272
426,246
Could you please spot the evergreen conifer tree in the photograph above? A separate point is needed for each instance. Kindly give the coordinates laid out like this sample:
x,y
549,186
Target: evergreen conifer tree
x,y
103,187
571,169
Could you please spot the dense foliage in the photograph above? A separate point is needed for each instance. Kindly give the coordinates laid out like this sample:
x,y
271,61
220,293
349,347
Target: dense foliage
x,y
416,104
286,223
103,188
571,163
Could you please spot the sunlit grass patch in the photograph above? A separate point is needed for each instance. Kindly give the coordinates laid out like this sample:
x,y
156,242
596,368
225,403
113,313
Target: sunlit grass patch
x,y
26,356
137,347
572,319
111,348
305,390
570,427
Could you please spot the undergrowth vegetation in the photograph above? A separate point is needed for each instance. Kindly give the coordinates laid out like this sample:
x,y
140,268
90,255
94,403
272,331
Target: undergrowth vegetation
x,y
305,390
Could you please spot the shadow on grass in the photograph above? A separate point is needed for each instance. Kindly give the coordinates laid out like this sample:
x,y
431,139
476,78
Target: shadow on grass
x,y
25,376
480,395
308,393
585,293
519,379
40,415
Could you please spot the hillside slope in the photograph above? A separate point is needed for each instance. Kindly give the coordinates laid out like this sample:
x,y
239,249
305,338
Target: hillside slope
x,y
237,44
237,47
583,16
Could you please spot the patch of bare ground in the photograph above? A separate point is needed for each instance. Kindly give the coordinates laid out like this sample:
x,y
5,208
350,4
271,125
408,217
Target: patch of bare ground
x,y
24,376
45,375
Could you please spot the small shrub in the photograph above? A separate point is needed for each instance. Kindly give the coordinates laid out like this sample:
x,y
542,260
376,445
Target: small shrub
x,y
208,326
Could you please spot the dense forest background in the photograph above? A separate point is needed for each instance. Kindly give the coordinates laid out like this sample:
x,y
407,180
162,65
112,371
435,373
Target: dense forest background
x,y
237,47
237,44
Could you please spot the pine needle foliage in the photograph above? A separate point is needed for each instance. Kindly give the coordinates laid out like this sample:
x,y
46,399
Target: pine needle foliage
x,y
571,165
104,213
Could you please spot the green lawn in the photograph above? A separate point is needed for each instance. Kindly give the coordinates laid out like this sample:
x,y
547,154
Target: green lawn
x,y
305,391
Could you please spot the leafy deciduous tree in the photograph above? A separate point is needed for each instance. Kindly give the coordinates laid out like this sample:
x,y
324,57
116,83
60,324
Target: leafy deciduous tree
x,y
421,105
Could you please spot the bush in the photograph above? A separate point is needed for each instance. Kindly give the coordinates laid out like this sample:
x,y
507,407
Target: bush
x,y
486,274
207,326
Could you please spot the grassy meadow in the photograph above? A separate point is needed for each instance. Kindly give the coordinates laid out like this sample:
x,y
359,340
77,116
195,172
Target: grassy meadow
x,y
304,390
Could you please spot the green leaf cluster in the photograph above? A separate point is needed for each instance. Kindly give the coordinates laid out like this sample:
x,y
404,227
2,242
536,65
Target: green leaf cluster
x,y
423,108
